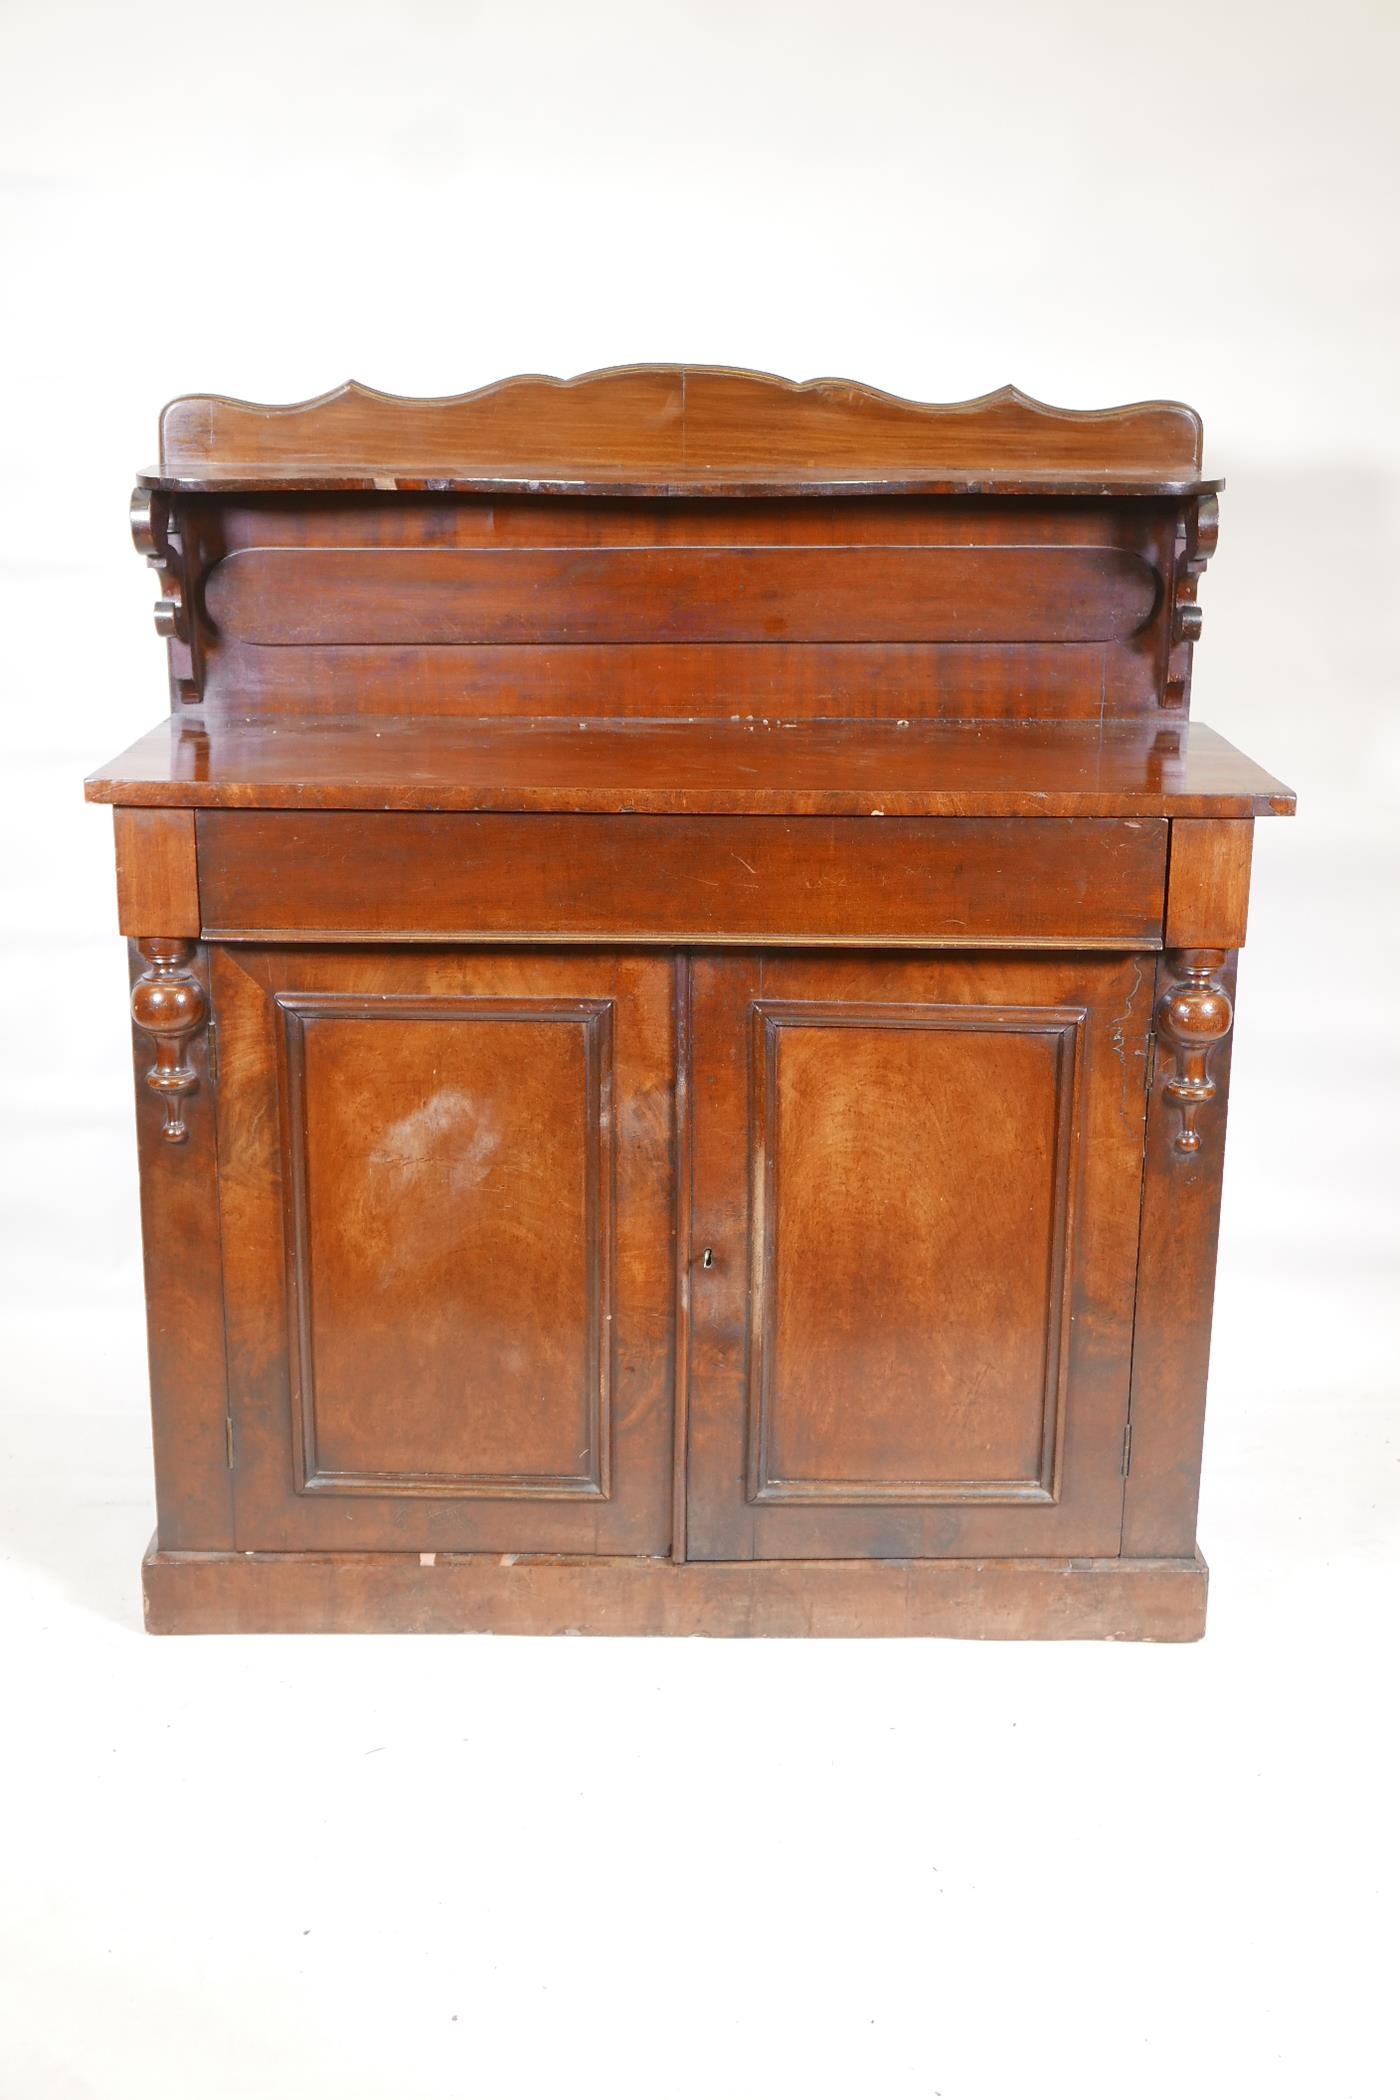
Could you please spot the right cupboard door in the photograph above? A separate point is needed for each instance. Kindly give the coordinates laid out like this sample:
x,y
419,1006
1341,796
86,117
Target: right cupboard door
x,y
916,1190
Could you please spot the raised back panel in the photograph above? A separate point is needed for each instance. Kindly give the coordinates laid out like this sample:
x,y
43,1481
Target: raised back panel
x,y
664,541
436,598
663,424
883,609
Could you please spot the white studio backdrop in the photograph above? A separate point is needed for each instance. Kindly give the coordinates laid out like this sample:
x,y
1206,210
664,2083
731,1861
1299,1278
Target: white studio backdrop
x,y
370,1868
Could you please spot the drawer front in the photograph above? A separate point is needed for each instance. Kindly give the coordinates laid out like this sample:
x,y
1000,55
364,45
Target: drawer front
x,y
784,881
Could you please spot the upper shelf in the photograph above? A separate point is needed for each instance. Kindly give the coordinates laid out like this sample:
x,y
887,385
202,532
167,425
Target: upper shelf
x,y
770,767
677,431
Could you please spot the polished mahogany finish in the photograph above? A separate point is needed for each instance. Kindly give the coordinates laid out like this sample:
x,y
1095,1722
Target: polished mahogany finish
x,y
921,1181
683,950
960,881
168,1004
761,767
447,1189
656,430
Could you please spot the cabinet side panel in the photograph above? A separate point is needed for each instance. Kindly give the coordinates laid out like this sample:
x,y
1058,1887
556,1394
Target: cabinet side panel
x,y
1175,1296
184,1300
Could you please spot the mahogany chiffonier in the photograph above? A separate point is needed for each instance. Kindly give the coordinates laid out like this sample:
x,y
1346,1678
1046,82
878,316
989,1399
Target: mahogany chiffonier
x,y
683,945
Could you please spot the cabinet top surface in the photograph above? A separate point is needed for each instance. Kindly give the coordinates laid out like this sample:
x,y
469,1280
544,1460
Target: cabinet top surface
x,y
678,430
754,765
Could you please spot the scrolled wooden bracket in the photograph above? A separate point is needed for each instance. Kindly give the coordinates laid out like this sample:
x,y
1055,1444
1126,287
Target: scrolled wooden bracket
x,y
1197,538
1202,539
157,537
1193,1017
168,1002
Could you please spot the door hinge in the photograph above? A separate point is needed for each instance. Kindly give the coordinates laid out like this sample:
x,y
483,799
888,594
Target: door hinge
x,y
211,1052
228,1440
1151,1061
1127,1447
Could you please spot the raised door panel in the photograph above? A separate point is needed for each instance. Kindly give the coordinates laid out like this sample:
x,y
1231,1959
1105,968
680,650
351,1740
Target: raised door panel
x,y
916,1194
448,1207
451,1194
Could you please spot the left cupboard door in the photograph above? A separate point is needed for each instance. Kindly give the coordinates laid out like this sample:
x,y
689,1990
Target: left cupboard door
x,y
447,1210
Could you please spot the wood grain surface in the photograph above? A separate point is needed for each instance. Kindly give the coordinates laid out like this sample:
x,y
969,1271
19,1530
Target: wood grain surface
x,y
918,1180
446,1184
483,597
996,1600
758,765
678,881
661,1107
655,427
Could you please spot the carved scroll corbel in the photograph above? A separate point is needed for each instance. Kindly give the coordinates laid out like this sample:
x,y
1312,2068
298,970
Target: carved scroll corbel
x,y
156,536
153,536
1193,1019
1201,544
168,1002
1197,537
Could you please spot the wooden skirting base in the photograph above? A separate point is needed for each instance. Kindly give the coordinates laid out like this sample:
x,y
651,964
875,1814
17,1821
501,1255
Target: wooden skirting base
x,y
1113,1600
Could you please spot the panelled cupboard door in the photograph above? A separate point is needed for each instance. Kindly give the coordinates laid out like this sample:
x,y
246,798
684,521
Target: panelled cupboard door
x,y
916,1195
447,1211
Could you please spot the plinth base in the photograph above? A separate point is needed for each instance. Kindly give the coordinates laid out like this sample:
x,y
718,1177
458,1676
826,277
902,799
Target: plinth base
x,y
1112,1600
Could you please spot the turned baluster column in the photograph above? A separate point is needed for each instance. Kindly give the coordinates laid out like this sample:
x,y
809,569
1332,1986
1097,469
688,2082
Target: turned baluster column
x,y
1193,1018
168,1003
